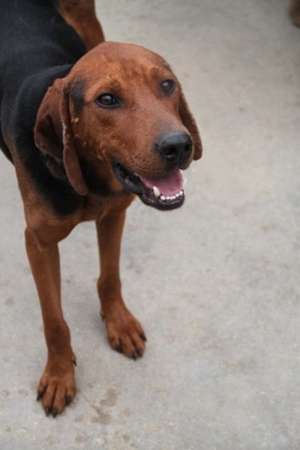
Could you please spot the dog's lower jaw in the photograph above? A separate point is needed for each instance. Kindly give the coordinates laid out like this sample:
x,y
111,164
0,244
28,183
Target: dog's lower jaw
x,y
163,203
148,193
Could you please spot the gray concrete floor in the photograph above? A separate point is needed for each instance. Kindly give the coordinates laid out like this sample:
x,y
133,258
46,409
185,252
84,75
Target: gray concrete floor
x,y
216,284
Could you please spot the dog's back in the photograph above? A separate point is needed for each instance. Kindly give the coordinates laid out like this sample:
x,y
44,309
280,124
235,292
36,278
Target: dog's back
x,y
27,69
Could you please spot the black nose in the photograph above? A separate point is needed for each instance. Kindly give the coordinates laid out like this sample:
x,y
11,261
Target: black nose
x,y
175,147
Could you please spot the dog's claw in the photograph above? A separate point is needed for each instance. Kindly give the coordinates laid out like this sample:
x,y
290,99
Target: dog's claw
x,y
143,337
74,360
140,352
69,400
39,396
119,348
54,412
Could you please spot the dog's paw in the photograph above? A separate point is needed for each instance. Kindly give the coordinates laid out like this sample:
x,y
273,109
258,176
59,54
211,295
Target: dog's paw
x,y
57,388
126,335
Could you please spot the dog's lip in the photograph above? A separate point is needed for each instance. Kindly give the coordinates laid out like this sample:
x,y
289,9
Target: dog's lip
x,y
164,193
128,179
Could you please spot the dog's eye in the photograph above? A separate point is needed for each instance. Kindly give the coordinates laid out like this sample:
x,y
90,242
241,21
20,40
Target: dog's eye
x,y
108,101
167,86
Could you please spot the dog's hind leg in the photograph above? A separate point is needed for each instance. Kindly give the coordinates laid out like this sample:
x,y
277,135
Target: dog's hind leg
x,y
81,15
125,333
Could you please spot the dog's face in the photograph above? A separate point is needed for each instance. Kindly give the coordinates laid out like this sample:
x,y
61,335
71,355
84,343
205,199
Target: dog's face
x,y
126,121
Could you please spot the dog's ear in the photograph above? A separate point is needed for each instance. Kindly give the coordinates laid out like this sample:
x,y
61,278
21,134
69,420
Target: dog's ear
x,y
48,124
70,157
190,123
53,133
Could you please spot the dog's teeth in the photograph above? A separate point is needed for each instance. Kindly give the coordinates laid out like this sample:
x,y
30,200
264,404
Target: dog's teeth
x,y
184,181
156,191
171,197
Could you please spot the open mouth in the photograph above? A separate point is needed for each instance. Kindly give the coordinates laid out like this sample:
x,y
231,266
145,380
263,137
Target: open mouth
x,y
163,193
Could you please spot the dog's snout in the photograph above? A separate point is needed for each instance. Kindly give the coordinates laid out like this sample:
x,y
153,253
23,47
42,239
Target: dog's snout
x,y
175,147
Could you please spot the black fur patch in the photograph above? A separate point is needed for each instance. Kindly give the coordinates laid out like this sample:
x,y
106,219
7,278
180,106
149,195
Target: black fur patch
x,y
5,149
36,47
76,94
94,184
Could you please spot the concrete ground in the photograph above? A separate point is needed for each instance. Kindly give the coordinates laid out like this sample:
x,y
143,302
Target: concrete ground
x,y
215,284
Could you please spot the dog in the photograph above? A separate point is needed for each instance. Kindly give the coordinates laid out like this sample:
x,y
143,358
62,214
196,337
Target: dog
x,y
295,11
89,125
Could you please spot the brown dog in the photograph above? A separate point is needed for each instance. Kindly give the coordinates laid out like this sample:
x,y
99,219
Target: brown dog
x,y
87,132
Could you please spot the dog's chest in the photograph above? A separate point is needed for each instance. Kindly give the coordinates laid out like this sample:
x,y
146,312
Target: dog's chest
x,y
96,207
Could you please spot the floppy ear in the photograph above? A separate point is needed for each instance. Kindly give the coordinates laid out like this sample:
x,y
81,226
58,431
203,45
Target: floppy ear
x,y
53,134
190,123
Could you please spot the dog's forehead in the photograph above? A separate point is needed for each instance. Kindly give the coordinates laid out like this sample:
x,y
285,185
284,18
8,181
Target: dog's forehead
x,y
119,61
115,51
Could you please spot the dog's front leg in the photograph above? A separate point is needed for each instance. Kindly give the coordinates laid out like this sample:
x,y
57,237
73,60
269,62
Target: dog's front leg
x,y
125,333
57,385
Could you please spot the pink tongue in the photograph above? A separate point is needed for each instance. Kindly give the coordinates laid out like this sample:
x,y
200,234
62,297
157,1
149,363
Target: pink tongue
x,y
169,185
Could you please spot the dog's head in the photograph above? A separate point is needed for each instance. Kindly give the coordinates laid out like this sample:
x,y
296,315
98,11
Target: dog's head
x,y
120,117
